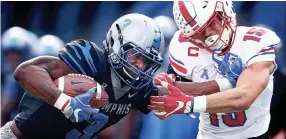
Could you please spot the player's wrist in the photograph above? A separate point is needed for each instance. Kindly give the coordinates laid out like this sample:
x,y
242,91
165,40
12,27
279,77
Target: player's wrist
x,y
199,104
62,102
225,83
190,105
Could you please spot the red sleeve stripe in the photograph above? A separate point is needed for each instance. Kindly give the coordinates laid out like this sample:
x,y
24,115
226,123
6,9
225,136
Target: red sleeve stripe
x,y
264,50
177,66
270,47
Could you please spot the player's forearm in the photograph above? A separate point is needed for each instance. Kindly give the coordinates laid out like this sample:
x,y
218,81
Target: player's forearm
x,y
34,78
236,99
227,101
38,83
198,89
250,85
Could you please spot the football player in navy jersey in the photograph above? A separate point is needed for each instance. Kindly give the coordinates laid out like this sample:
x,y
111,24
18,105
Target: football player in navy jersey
x,y
131,55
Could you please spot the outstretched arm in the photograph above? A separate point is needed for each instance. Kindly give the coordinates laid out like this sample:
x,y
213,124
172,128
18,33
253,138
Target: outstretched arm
x,y
198,89
250,85
202,88
194,88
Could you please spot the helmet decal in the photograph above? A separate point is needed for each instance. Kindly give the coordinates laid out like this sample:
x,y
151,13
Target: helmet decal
x,y
127,22
157,41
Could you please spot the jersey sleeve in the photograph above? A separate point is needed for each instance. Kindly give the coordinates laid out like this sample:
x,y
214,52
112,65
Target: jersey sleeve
x,y
84,57
189,61
267,50
178,77
178,66
176,56
192,69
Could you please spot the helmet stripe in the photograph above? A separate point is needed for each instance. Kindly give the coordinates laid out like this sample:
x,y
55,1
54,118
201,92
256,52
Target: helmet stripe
x,y
190,20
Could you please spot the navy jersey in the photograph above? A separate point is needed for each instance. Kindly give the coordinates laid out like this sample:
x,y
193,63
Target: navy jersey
x,y
37,119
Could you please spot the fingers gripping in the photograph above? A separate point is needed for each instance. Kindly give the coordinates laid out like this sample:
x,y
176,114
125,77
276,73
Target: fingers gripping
x,y
172,77
174,91
164,77
157,99
85,98
159,79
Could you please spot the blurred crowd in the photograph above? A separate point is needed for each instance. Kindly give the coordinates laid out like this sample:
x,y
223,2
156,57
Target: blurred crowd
x,y
30,29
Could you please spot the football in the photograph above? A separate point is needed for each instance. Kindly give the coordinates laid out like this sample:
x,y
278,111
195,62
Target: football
x,y
76,84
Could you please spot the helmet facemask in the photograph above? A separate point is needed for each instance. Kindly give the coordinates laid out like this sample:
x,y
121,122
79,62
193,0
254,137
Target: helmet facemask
x,y
216,43
124,64
222,26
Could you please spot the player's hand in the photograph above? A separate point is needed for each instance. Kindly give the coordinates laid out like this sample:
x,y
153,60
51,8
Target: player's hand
x,y
77,108
162,91
164,77
229,65
174,103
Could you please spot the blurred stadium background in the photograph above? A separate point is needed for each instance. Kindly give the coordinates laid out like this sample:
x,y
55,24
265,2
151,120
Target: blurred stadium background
x,y
30,29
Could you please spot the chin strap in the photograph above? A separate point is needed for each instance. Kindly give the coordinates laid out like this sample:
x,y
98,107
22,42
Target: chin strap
x,y
127,73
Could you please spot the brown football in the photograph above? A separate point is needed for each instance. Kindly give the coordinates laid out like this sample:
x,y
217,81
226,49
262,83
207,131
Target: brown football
x,y
76,84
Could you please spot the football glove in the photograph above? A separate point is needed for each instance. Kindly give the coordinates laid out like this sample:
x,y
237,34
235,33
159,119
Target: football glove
x,y
77,109
174,103
164,77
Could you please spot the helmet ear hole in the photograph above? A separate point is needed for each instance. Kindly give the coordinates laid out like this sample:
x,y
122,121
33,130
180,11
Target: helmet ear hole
x,y
111,41
127,47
